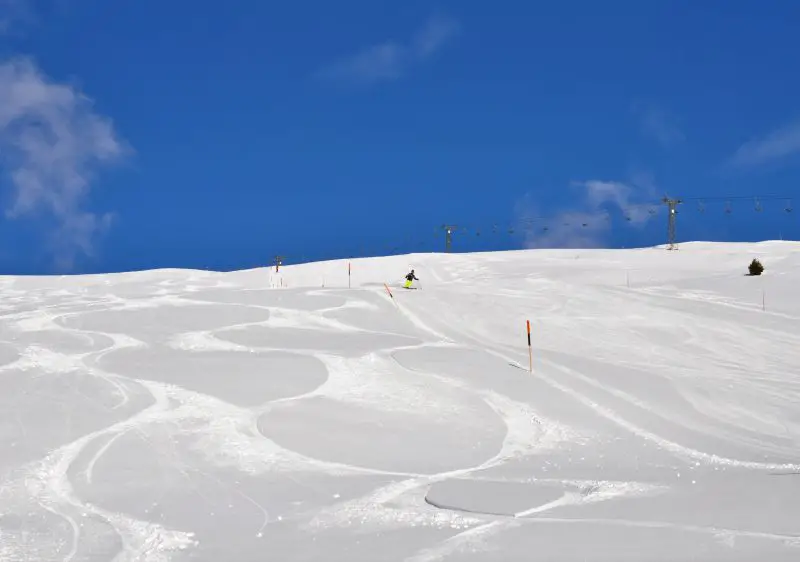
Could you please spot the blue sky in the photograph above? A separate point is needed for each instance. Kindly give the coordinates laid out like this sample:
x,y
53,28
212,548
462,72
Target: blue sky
x,y
190,134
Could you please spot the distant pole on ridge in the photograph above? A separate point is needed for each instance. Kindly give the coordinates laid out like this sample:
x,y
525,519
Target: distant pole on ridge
x,y
672,204
448,238
278,262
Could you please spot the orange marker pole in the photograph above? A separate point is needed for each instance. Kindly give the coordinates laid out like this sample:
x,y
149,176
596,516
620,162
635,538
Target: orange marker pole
x,y
530,352
392,296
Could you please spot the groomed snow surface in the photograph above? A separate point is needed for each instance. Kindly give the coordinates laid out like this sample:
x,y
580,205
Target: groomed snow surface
x,y
178,415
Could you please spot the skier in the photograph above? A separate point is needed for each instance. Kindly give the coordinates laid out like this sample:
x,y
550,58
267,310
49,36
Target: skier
x,y
409,279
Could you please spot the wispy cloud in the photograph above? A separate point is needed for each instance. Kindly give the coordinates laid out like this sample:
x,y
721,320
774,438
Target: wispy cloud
x,y
570,229
778,144
604,194
392,60
13,12
588,223
659,125
51,142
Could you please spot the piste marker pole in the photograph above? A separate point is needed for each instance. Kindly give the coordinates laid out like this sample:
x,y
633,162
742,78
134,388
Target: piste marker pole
x,y
530,351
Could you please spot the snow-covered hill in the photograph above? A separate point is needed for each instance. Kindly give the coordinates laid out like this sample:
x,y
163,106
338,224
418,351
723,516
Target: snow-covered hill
x,y
248,416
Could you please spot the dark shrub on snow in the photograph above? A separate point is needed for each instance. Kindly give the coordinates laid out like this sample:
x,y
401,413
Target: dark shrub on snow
x,y
755,267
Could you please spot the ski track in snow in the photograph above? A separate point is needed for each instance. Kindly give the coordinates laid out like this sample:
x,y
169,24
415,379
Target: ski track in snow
x,y
229,436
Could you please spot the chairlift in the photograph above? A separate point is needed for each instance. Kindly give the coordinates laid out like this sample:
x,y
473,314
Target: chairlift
x,y
758,206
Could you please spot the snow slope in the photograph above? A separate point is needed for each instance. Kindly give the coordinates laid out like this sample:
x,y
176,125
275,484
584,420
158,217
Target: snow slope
x,y
188,415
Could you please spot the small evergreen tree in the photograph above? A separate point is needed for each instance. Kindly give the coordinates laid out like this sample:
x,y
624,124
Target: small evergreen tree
x,y
755,267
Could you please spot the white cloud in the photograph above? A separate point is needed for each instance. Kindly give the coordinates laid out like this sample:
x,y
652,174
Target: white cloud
x,y
620,195
51,141
391,60
589,222
659,125
379,62
778,144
